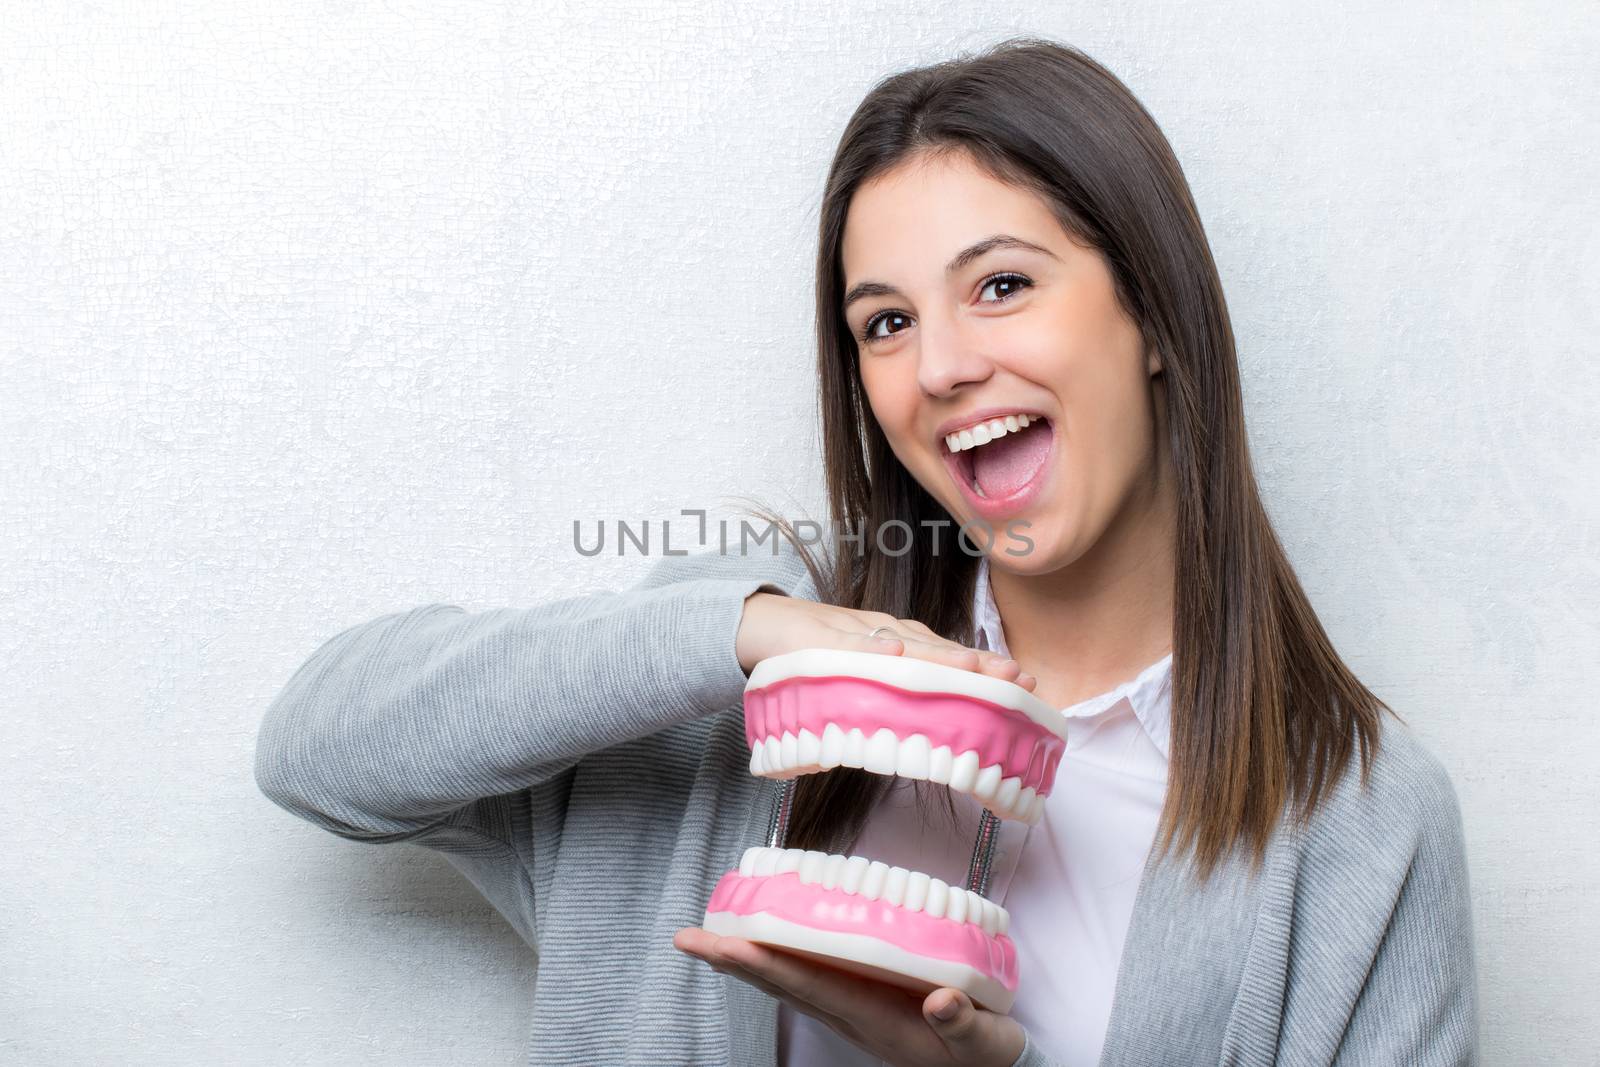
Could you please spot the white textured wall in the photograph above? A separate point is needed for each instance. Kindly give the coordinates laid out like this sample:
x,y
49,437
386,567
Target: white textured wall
x,y
308,314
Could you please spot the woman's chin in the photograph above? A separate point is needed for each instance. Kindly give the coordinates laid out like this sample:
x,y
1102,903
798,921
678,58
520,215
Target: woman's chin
x,y
1026,551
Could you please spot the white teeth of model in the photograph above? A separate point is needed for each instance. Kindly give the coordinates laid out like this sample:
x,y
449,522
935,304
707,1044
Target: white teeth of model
x,y
955,908
912,755
872,884
832,746
874,880
1012,423
964,771
879,755
1010,789
855,869
1024,802
808,750
855,748
894,886
987,782
916,891
986,916
966,440
885,753
980,433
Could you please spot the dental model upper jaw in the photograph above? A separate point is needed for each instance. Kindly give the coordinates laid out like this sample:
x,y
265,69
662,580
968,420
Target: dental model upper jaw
x,y
982,433
816,709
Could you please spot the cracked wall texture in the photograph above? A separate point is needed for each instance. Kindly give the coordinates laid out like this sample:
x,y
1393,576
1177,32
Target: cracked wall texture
x,y
309,313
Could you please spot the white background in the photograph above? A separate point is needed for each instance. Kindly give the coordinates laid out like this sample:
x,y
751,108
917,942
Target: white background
x,y
310,313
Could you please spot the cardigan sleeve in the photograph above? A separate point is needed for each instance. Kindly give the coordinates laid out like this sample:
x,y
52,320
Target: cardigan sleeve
x,y
1418,1005
415,722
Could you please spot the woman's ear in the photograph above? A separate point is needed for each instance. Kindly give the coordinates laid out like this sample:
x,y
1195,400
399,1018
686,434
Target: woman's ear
x,y
1152,362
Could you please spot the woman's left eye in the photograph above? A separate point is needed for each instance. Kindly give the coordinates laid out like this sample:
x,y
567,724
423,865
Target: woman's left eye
x,y
1016,281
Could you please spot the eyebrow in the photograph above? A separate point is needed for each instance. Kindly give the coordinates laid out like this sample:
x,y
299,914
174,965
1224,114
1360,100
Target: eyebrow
x,y
862,290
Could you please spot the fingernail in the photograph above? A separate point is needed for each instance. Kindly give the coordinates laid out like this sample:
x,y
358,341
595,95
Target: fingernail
x,y
947,1012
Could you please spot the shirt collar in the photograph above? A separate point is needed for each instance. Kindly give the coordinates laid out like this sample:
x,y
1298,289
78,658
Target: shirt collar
x,y
1149,693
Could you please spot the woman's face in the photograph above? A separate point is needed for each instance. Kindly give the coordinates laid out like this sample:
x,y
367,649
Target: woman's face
x,y
1013,330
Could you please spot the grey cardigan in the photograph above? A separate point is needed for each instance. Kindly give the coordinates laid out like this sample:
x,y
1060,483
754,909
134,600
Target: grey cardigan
x,y
583,763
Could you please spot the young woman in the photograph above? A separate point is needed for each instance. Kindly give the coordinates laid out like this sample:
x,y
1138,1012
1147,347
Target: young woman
x,y
1246,859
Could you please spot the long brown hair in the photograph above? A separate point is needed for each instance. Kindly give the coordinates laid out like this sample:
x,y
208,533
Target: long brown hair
x,y
1264,712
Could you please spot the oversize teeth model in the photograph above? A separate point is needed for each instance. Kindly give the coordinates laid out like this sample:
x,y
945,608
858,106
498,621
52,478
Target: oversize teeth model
x,y
816,709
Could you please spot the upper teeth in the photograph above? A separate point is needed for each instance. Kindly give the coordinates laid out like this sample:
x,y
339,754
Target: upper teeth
x,y
885,753
984,432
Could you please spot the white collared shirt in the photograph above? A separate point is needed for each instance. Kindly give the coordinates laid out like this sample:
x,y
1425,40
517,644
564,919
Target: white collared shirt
x,y
1068,883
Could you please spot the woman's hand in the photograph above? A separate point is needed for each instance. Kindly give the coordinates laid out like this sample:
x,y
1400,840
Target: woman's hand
x,y
773,624
891,1023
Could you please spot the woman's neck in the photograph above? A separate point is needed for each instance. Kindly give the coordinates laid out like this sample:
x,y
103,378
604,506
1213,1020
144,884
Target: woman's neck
x,y
1099,621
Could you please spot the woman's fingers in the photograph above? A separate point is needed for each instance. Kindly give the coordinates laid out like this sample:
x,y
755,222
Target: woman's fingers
x,y
989,662
885,641
775,624
908,637
925,644
919,630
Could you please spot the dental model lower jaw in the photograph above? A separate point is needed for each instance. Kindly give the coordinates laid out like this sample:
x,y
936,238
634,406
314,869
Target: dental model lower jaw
x,y
874,880
824,907
816,709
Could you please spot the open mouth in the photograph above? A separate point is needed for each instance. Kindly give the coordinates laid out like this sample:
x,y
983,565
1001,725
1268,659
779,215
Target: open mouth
x,y
1001,472
814,709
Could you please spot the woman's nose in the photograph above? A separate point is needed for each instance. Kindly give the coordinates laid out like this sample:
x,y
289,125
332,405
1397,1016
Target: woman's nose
x,y
947,359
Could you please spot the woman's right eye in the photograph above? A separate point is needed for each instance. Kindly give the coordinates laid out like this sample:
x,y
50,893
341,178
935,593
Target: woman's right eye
x,y
871,324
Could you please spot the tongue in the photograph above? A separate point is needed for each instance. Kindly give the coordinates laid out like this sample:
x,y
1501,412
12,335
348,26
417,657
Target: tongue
x,y
1002,467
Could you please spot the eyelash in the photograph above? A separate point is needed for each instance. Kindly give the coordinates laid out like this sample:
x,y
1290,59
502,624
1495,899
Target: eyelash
x,y
871,324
